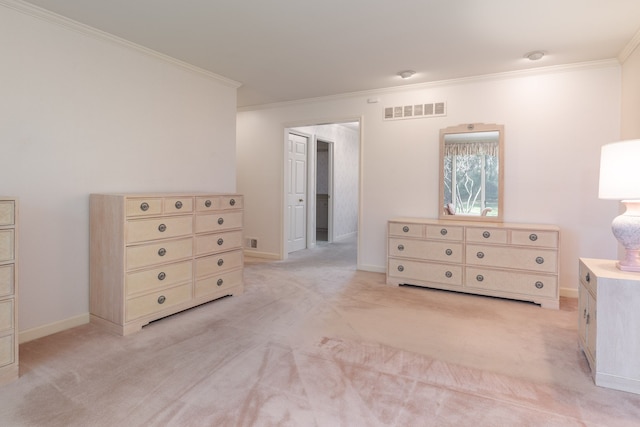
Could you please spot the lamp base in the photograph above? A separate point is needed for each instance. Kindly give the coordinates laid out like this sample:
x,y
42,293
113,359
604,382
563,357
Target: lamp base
x,y
626,228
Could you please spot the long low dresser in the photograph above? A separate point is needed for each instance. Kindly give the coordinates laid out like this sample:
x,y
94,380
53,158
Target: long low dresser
x,y
153,255
507,260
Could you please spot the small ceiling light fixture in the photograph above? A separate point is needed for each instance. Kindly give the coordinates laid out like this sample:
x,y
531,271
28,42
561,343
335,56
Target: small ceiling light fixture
x,y
406,73
534,55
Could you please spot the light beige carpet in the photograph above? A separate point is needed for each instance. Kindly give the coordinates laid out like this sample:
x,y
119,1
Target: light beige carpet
x,y
313,342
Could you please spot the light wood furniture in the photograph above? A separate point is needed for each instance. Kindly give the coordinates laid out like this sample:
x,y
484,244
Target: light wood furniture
x,y
609,323
8,289
152,255
516,261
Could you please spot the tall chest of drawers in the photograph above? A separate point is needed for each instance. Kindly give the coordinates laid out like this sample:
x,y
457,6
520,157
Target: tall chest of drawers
x,y
516,261
153,255
8,289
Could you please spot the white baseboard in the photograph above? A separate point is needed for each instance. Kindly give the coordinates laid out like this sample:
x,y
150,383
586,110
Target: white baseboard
x,y
371,268
52,328
258,254
569,292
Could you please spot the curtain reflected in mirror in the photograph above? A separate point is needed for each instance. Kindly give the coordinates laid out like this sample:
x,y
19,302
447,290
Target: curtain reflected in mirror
x,y
471,172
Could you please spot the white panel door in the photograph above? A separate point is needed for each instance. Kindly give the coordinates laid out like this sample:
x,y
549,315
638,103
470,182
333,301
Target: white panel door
x,y
297,192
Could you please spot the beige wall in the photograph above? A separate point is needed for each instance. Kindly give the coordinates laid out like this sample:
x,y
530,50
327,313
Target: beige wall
x,y
631,96
555,121
80,114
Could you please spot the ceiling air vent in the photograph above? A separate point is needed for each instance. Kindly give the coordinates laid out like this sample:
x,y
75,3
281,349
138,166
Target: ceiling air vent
x,y
416,111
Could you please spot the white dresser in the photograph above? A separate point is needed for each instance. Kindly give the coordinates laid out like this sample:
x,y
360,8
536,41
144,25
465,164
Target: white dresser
x,y
8,289
152,255
516,261
609,323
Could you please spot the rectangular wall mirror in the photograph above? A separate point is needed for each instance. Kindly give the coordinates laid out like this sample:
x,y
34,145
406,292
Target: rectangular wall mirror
x,y
471,172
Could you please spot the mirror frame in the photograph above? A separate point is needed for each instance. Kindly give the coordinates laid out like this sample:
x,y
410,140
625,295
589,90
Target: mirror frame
x,y
470,128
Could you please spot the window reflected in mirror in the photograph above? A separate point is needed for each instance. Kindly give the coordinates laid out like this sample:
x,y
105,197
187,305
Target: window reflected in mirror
x,y
471,178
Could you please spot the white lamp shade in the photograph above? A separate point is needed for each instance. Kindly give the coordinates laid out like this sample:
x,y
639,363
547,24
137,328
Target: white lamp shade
x,y
620,170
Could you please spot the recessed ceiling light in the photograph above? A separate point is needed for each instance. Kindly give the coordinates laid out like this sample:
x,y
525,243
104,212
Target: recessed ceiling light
x,y
406,73
534,55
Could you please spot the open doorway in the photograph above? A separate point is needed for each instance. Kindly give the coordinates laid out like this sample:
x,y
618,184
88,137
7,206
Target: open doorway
x,y
332,185
324,182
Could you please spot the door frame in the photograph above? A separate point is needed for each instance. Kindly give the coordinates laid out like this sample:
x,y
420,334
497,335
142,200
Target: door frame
x,y
284,220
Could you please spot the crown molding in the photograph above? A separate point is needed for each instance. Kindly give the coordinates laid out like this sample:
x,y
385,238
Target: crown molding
x,y
629,48
440,83
70,24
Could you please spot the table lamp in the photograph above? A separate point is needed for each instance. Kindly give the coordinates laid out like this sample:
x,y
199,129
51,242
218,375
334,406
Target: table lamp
x,y
620,180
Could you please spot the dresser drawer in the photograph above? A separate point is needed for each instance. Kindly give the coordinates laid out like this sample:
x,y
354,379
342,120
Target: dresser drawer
x,y
176,205
218,282
6,280
144,206
231,202
7,245
426,249
512,282
588,279
165,275
207,203
218,221
425,271
541,260
6,349
214,264
7,212
445,232
157,301
487,235
157,253
140,230
542,239
6,314
218,242
406,229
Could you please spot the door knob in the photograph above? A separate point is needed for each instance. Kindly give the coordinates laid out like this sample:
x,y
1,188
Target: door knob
x,y
300,200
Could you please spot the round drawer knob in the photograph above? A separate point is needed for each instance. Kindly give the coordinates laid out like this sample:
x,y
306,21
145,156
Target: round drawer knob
x,y
401,247
444,231
162,228
219,282
479,277
449,252
144,206
161,299
162,275
208,203
448,274
220,241
486,234
220,262
480,255
539,285
178,204
533,237
220,221
539,260
232,202
405,229
401,268
587,278
162,251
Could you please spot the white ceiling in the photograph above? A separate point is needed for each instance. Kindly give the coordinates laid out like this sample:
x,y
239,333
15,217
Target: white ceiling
x,y
284,50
